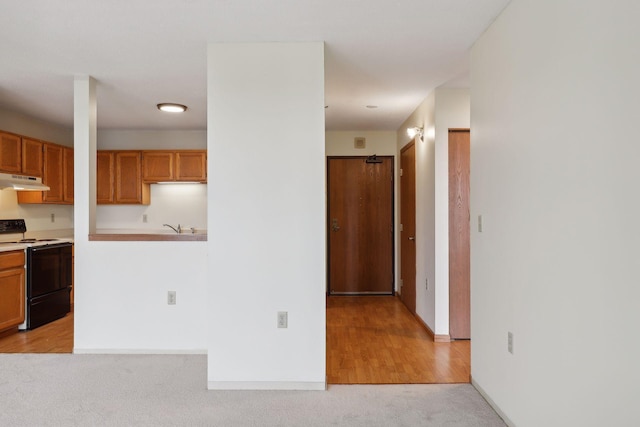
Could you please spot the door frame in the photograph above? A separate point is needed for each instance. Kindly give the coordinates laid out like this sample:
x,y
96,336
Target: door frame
x,y
393,227
413,303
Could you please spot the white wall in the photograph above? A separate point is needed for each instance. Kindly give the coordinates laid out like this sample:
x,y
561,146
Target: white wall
x,y
184,204
266,198
37,217
554,89
442,110
26,125
340,143
133,139
121,287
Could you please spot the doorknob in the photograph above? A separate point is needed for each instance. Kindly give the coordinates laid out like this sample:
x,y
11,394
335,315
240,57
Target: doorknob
x,y
412,238
334,225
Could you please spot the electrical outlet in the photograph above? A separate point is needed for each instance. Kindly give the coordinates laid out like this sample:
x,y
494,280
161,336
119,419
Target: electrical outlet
x,y
53,217
510,342
282,319
144,217
171,297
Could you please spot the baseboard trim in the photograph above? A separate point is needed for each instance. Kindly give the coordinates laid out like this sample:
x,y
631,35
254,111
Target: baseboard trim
x,y
136,351
442,338
267,385
434,337
491,403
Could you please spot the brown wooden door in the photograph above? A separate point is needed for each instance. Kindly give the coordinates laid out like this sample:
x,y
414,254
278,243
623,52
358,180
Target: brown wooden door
x,y
32,157
52,172
157,166
191,166
10,153
360,225
68,175
105,173
459,261
128,177
408,229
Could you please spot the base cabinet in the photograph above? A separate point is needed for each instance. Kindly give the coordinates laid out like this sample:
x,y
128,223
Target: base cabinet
x,y
12,286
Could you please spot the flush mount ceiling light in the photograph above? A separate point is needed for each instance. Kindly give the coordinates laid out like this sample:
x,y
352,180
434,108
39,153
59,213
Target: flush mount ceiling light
x,y
172,108
412,132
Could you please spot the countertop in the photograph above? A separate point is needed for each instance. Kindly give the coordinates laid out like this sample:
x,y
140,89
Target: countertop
x,y
8,247
147,237
130,235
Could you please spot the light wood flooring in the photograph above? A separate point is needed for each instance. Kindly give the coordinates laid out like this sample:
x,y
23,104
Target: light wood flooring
x,y
376,340
54,337
370,340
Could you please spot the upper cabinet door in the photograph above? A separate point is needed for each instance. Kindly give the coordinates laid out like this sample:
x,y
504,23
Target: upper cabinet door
x,y
104,177
52,176
67,178
191,166
10,153
32,157
157,166
129,188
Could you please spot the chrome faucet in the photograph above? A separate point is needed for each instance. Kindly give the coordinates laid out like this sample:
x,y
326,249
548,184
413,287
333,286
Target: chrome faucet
x,y
177,230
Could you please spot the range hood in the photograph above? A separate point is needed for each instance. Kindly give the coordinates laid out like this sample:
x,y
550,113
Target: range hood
x,y
21,182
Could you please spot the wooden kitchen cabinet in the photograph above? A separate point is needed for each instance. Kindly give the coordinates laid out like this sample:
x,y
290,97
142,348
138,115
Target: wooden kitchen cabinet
x,y
52,172
191,166
10,153
158,166
67,175
104,177
32,159
119,178
12,287
57,173
175,165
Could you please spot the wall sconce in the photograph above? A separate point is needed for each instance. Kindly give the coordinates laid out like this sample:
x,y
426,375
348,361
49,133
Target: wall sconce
x,y
412,132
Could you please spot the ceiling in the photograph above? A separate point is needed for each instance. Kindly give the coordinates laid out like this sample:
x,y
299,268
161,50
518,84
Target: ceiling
x,y
384,53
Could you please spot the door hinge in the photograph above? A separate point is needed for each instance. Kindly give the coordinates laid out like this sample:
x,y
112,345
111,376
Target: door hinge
x,y
401,171
401,283
401,227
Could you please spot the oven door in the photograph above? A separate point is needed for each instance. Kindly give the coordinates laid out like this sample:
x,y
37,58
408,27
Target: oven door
x,y
46,269
49,279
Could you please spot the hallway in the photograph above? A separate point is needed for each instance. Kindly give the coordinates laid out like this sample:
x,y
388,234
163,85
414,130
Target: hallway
x,y
376,340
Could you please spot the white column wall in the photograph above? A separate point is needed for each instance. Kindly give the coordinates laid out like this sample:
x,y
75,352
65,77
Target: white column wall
x,y
554,172
266,216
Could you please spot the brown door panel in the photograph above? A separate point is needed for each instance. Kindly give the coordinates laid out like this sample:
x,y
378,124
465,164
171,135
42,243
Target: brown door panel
x,y
360,225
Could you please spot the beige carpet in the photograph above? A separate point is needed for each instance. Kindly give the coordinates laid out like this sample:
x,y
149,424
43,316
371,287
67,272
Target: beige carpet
x,y
170,390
